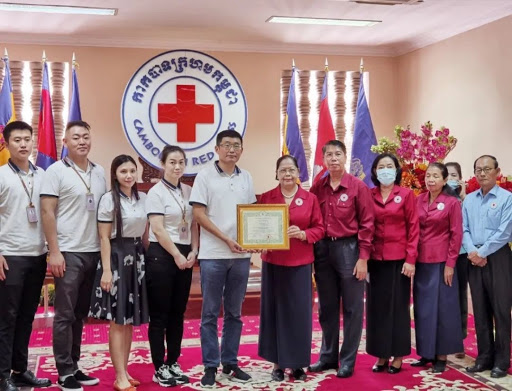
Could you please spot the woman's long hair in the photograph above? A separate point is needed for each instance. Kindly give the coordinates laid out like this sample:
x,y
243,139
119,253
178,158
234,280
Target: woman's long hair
x,y
444,172
457,167
116,190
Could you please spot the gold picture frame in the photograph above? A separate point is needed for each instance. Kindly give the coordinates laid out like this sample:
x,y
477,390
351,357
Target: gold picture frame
x,y
263,226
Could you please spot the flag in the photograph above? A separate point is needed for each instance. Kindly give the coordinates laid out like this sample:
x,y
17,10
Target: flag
x,y
74,108
6,111
364,138
293,141
46,147
325,133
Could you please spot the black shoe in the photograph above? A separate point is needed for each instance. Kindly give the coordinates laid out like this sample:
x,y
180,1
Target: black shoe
x,y
208,380
345,371
299,374
7,385
235,373
69,384
497,373
322,366
28,379
85,380
178,374
422,362
478,368
439,366
278,374
394,370
380,368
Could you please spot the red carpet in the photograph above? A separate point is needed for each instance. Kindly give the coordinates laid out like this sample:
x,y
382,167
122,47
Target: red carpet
x,y
95,360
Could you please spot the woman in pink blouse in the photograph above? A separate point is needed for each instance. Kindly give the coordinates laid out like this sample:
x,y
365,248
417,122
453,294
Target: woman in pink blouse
x,y
436,296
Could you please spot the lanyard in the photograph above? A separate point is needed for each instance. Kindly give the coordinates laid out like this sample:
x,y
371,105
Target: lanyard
x,y
181,205
88,187
29,195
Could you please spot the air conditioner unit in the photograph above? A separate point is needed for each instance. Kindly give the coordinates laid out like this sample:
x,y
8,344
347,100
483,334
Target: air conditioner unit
x,y
387,2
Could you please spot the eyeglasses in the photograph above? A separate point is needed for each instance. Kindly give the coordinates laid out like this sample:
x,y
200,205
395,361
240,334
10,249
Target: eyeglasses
x,y
485,170
285,171
228,146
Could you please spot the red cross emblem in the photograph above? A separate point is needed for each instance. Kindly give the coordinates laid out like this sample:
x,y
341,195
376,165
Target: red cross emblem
x,y
185,113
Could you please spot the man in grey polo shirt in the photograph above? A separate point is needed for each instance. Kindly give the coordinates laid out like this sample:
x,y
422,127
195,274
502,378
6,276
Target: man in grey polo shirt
x,y
69,199
22,257
224,264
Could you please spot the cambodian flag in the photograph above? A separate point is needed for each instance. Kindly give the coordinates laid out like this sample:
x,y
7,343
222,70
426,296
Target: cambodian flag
x,y
325,133
46,147
74,108
6,111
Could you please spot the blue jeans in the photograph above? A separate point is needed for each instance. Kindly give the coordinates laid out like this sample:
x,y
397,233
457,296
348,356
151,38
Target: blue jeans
x,y
222,280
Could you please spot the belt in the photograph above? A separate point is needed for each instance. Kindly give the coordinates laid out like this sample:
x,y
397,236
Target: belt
x,y
334,239
125,239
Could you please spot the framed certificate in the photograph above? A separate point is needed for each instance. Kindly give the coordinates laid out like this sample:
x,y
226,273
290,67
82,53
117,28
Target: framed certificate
x,y
263,226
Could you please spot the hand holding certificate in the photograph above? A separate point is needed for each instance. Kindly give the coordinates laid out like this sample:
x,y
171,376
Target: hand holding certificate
x,y
263,226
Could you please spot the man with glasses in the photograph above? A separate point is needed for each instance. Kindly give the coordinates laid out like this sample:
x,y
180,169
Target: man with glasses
x,y
487,217
224,264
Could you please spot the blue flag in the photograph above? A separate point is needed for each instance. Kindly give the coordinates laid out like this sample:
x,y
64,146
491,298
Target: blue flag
x,y
364,138
293,141
74,107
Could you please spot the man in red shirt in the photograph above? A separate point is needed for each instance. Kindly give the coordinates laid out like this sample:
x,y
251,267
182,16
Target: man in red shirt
x,y
341,259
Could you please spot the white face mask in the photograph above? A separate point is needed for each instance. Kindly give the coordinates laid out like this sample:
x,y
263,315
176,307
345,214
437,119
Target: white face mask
x,y
386,176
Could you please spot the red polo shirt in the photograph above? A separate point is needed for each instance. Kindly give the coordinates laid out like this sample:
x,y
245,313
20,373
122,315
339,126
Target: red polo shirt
x,y
347,210
397,228
440,229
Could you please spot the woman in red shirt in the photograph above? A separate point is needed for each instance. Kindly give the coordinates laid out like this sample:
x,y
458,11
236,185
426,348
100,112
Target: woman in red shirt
x,y
391,266
286,285
435,291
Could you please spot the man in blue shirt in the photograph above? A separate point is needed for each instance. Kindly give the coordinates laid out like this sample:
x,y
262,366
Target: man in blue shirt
x,y
487,217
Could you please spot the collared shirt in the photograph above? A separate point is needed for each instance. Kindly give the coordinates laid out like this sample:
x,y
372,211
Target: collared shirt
x,y
133,213
397,227
77,229
347,210
220,193
17,235
160,201
487,221
305,213
440,229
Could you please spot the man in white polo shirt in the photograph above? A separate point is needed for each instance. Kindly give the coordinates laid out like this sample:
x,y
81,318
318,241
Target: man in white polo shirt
x,y
22,257
69,199
224,265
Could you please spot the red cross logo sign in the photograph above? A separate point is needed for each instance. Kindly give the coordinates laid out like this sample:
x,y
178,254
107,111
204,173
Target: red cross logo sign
x,y
185,98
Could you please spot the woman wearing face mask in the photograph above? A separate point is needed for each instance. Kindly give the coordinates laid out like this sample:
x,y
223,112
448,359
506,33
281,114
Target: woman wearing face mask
x,y
391,266
436,288
457,184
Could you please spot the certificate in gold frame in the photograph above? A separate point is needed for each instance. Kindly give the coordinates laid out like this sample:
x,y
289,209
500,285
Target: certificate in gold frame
x,y
263,226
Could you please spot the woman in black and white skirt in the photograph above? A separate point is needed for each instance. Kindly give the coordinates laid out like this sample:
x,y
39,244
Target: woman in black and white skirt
x,y
120,288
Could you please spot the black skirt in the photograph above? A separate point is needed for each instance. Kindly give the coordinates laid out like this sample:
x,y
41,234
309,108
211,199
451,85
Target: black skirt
x,y
127,302
388,320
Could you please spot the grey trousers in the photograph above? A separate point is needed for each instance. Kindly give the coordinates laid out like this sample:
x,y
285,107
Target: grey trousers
x,y
72,300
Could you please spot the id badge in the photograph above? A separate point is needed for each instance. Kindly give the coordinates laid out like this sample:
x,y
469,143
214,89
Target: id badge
x,y
183,230
89,199
31,214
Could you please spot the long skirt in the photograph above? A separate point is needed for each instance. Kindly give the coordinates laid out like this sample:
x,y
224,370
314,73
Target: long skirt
x,y
286,315
127,301
388,320
436,312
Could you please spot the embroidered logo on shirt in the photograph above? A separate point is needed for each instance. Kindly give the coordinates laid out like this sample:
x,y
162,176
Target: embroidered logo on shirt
x,y
298,201
398,199
343,197
494,205
440,206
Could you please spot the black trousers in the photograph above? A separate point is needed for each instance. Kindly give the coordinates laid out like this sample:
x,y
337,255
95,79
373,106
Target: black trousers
x,y
19,298
491,292
72,301
168,291
462,276
334,266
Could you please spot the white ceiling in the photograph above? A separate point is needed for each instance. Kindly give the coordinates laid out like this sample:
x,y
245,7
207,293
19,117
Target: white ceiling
x,y
239,25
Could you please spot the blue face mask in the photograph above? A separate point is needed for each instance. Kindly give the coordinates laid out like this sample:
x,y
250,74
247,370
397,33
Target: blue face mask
x,y
453,184
386,176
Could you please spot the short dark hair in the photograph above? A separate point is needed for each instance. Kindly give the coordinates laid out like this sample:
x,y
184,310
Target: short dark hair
x,y
80,123
444,172
228,133
496,165
168,149
16,125
292,158
335,143
375,163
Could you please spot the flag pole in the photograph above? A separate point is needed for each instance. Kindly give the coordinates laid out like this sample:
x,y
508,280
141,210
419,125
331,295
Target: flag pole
x,y
361,66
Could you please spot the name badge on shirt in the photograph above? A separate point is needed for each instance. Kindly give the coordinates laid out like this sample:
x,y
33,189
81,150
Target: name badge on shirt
x,y
440,206
398,199
31,214
183,230
89,200
298,201
494,205
343,197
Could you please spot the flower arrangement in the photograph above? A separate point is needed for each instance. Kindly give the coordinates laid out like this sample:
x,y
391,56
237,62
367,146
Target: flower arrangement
x,y
416,151
502,181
